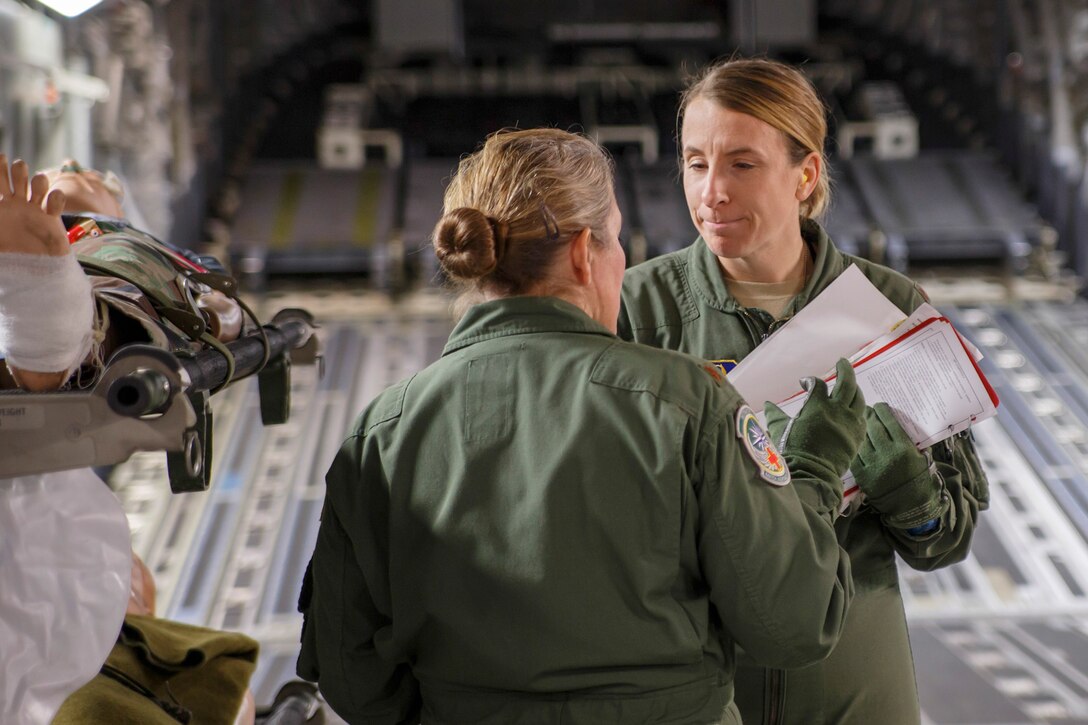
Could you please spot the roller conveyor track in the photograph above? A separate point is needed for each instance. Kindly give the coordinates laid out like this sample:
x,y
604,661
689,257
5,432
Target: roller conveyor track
x,y
1003,636
1044,403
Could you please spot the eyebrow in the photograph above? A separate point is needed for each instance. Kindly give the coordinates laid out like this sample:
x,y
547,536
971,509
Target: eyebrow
x,y
731,152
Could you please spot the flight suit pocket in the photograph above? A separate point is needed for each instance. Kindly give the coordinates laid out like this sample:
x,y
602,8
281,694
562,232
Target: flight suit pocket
x,y
489,396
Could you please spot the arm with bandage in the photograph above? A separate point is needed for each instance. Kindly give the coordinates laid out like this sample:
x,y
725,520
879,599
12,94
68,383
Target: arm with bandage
x,y
51,322
46,303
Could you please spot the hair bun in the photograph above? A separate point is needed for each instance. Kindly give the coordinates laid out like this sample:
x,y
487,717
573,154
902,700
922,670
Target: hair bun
x,y
468,243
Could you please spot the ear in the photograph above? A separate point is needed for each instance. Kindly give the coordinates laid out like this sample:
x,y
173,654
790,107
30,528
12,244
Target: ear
x,y
580,257
811,168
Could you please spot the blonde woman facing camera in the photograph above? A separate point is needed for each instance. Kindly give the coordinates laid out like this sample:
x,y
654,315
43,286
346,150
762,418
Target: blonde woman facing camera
x,y
549,524
752,135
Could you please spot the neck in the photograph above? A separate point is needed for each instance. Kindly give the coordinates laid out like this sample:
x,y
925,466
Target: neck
x,y
777,265
566,292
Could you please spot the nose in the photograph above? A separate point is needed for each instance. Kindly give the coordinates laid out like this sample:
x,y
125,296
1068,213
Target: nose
x,y
715,189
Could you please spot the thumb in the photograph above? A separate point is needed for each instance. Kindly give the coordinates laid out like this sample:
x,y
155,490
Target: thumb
x,y
814,386
778,424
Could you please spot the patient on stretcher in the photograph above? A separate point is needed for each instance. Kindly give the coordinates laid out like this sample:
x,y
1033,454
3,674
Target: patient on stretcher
x,y
58,325
141,289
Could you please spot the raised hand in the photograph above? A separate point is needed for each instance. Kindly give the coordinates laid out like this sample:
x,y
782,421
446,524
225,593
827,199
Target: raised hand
x,y
30,220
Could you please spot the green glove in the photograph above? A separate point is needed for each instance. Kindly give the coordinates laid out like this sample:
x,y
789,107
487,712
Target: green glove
x,y
824,437
894,475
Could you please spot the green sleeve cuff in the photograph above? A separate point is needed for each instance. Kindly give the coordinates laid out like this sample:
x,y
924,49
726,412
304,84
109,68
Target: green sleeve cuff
x,y
816,484
912,505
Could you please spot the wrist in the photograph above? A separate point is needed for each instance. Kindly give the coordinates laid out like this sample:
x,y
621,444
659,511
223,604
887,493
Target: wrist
x,y
927,528
47,308
913,503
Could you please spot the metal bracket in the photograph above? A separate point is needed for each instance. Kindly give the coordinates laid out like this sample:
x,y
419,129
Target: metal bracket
x,y
274,379
190,469
274,387
138,404
308,352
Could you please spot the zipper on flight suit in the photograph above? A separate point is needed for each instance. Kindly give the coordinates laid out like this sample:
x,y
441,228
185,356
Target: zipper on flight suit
x,y
756,329
774,700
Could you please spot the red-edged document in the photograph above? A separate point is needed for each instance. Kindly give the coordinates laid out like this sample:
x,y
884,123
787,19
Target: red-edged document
x,y
928,376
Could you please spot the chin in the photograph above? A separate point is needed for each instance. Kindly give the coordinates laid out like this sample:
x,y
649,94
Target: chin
x,y
724,247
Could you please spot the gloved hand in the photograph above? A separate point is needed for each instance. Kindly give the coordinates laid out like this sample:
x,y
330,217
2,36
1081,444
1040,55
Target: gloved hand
x,y
894,475
824,437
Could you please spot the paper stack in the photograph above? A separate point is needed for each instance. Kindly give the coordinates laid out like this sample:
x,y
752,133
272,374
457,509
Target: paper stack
x,y
920,366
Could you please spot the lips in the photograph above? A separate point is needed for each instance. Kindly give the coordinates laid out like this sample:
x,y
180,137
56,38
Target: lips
x,y
721,226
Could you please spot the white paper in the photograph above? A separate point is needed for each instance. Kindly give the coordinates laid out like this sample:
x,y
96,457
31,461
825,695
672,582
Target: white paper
x,y
924,312
849,313
65,564
928,380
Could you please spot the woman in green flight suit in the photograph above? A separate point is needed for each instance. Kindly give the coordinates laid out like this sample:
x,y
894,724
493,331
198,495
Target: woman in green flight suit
x,y
752,136
549,524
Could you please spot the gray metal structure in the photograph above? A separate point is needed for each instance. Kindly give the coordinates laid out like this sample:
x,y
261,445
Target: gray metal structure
x,y
296,218
421,208
936,207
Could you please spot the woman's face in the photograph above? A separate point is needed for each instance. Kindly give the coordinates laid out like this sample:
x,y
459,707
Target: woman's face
x,y
743,192
609,263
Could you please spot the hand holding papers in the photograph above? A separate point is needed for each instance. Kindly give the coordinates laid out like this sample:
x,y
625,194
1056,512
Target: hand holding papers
x,y
921,368
928,378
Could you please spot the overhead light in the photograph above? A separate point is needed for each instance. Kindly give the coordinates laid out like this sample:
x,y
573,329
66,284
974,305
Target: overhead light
x,y
71,8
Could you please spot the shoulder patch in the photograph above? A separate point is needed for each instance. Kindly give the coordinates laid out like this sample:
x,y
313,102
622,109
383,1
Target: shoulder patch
x,y
760,449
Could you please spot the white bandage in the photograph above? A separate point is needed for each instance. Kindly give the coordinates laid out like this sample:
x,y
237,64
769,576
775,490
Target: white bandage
x,y
46,312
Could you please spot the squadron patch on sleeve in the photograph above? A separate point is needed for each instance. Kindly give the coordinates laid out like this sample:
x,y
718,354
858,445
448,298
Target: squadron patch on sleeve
x,y
760,449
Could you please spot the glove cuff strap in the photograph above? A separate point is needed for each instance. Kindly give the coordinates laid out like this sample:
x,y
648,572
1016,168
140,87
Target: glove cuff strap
x,y
918,509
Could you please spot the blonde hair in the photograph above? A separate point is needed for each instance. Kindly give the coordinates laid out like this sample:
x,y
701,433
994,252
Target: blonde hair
x,y
780,96
515,203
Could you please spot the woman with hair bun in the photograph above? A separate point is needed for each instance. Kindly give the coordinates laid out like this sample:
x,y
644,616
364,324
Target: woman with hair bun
x,y
752,135
551,525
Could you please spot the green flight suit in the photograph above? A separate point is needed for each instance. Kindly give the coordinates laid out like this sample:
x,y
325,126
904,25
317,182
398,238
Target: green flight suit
x,y
550,525
680,302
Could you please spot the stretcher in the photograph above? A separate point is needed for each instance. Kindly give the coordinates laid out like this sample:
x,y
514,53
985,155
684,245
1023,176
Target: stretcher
x,y
150,399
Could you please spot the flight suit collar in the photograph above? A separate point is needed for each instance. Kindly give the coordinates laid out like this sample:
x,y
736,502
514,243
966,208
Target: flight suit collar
x,y
520,316
708,282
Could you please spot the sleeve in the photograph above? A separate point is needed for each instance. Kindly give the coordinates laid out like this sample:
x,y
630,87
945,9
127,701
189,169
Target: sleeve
x,y
342,615
778,578
965,486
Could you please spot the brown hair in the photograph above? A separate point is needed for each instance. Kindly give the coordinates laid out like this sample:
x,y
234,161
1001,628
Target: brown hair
x,y
777,94
515,203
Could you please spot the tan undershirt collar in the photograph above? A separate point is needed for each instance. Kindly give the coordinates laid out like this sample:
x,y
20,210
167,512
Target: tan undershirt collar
x,y
770,296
